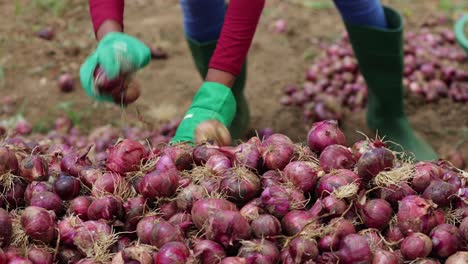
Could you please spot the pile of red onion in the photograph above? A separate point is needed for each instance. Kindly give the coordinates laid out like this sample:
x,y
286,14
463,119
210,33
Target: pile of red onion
x,y
113,198
433,69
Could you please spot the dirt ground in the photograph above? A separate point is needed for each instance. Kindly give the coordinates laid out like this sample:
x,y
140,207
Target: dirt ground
x,y
31,65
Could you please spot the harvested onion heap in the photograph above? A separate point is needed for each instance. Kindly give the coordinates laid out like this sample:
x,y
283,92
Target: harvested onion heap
x,y
266,200
434,68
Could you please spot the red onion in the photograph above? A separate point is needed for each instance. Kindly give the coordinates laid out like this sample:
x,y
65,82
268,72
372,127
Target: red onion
x,y
252,209
384,257
66,82
202,153
446,240
271,178
373,162
354,249
394,193
336,157
48,201
67,229
69,255
460,257
259,251
266,226
46,33
464,228
159,184
36,187
233,260
218,164
329,243
14,197
38,223
278,201
40,256
182,220
334,180
361,147
133,255
134,209
248,154
3,258
167,208
375,213
164,232
440,192
373,238
414,215
323,134
88,176
33,168
79,206
19,260
208,252
188,195
67,187
203,209
425,173
107,208
240,185
333,206
452,178
295,221
328,258
8,161
7,228
172,253
109,183
181,155
227,227
88,232
416,245
302,174
23,127
394,234
73,163
125,156
145,227
278,151
302,250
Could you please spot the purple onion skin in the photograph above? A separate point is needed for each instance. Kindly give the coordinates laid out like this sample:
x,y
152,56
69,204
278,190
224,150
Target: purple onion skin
x,y
40,256
461,257
373,162
376,213
323,134
464,228
336,157
48,201
164,232
266,226
425,173
208,251
7,228
172,253
354,249
384,257
302,249
440,192
445,240
67,187
416,245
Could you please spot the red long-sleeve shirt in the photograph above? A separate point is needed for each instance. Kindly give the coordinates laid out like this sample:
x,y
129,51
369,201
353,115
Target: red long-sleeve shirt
x,y
239,27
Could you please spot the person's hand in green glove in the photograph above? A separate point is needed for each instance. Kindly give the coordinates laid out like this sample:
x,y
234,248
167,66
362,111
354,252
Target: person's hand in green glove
x,y
116,54
213,101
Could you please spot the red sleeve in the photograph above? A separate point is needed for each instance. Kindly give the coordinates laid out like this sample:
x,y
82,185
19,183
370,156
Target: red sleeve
x,y
239,27
102,10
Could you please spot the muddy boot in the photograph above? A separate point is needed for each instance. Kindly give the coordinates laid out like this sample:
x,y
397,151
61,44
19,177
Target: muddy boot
x,y
380,56
201,53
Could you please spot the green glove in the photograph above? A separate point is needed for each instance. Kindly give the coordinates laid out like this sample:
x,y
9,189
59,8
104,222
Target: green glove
x,y
116,53
212,101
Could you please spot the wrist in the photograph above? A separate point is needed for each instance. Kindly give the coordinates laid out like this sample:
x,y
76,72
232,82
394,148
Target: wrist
x,y
107,27
225,78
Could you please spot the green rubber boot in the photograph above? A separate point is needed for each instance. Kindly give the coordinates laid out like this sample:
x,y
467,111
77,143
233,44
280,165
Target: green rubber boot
x,y
201,53
380,56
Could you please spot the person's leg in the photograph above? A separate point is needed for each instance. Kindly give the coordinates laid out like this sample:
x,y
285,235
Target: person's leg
x,y
378,47
203,21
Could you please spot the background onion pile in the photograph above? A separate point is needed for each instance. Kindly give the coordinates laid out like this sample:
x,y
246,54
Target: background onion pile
x,y
265,200
433,69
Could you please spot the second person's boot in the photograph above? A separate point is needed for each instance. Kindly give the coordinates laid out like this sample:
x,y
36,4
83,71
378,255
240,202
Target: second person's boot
x,y
380,57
